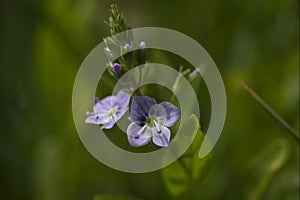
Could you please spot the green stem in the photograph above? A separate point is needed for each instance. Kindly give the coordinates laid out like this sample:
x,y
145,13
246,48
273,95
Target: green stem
x,y
138,92
175,85
172,98
271,112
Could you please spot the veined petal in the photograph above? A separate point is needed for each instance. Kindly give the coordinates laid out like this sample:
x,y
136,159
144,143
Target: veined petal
x,y
157,127
102,118
137,135
109,101
119,114
138,142
173,113
139,131
159,113
122,100
140,108
103,106
98,108
161,138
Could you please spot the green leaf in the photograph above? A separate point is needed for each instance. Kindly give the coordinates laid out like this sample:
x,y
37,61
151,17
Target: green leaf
x,y
180,176
113,197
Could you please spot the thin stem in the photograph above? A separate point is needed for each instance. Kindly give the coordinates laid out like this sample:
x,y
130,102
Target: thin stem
x,y
175,85
172,98
272,113
140,77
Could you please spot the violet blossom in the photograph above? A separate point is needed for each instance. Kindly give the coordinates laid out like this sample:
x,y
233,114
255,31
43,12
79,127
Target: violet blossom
x,y
108,111
151,120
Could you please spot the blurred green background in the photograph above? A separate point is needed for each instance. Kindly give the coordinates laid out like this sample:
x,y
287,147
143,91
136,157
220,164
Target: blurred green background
x,y
43,44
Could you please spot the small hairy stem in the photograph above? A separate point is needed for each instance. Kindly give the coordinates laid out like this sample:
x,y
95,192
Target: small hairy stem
x,y
272,113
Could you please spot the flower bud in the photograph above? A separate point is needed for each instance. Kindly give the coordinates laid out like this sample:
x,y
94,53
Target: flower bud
x,y
142,45
117,68
127,47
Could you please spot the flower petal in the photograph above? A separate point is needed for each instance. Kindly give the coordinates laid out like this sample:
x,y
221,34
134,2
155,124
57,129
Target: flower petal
x,y
103,106
109,101
159,112
122,100
138,142
162,138
102,118
140,108
138,135
173,113
119,114
110,124
115,118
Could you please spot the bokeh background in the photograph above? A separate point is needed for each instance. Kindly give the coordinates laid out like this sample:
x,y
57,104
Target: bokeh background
x,y
43,44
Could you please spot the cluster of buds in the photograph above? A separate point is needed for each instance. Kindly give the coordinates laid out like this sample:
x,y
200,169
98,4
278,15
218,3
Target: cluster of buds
x,y
115,46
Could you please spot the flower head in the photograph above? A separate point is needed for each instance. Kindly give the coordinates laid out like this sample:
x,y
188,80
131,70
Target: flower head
x,y
108,110
150,120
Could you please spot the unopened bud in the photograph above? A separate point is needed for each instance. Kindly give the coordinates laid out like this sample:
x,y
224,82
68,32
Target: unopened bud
x,y
117,68
127,47
142,45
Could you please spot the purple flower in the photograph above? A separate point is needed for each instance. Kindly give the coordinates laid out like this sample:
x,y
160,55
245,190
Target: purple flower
x,y
108,110
150,120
